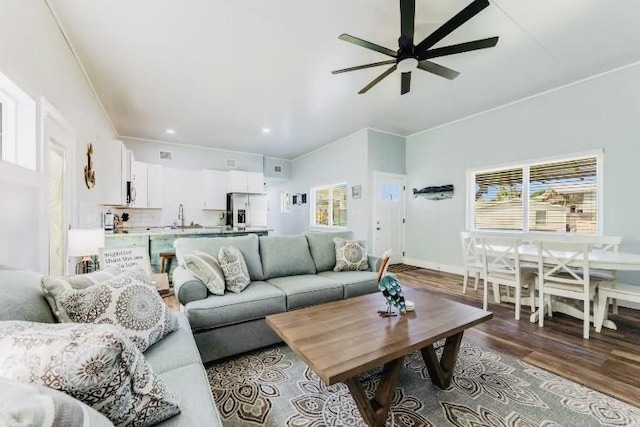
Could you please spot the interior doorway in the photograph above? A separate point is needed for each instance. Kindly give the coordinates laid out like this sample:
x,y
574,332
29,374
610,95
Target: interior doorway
x,y
388,215
58,145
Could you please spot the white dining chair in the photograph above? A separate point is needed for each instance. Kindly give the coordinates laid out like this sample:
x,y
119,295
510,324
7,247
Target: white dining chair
x,y
563,271
501,266
471,259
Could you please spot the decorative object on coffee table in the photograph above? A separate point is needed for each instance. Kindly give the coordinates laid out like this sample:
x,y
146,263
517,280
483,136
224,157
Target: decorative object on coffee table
x,y
392,291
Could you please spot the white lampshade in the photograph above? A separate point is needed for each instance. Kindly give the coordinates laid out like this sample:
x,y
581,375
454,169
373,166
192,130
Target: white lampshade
x,y
85,242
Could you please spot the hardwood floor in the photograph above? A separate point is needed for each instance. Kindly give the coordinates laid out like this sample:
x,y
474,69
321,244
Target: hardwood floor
x,y
608,362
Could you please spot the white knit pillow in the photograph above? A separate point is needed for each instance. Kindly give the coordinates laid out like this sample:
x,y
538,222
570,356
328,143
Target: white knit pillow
x,y
234,267
206,268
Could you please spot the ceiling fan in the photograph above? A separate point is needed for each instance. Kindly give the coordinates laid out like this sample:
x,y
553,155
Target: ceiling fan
x,y
410,56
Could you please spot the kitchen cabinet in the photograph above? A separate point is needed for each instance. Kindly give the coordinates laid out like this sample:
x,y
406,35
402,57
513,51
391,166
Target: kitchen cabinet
x,y
245,182
214,189
113,172
147,183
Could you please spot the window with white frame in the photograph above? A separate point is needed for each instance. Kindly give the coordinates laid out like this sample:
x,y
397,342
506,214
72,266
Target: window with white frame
x,y
329,205
553,196
17,125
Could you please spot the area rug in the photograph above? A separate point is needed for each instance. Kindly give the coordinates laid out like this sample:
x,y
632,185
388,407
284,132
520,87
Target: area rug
x,y
273,387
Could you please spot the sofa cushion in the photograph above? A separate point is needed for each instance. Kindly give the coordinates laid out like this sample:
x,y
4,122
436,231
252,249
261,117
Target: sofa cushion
x,y
236,276
285,256
128,300
194,397
175,350
24,404
258,300
322,248
22,297
54,285
206,268
355,283
308,289
248,245
96,364
351,255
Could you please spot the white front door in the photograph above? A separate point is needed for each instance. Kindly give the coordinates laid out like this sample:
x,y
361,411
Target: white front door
x,y
388,215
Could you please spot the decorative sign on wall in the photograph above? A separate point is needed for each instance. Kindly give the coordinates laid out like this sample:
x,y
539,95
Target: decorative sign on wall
x,y
125,257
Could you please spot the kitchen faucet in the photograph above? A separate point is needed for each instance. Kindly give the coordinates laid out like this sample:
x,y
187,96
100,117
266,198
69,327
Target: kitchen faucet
x,y
181,214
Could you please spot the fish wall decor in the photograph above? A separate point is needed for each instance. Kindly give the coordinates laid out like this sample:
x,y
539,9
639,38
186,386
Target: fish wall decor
x,y
435,192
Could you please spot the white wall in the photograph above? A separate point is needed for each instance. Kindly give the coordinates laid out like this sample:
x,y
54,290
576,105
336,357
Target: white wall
x,y
599,113
36,57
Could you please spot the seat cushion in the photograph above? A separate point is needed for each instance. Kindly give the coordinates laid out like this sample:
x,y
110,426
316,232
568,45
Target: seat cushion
x,y
175,350
355,283
323,250
308,289
248,245
258,300
285,256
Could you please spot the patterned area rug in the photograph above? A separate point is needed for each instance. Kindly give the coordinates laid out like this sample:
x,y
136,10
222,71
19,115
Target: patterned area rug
x,y
273,387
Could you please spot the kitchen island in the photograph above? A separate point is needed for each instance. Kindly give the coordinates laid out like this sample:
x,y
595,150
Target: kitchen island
x,y
160,239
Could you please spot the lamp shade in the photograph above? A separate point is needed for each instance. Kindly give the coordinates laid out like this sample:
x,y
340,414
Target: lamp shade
x,y
85,242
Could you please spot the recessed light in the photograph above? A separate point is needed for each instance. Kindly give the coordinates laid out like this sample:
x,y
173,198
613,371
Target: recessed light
x,y
266,130
171,131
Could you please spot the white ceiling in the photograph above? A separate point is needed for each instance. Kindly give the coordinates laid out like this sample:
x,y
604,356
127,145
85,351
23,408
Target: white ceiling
x,y
218,71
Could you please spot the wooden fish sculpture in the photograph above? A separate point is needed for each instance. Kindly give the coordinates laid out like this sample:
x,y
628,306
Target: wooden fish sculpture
x,y
392,291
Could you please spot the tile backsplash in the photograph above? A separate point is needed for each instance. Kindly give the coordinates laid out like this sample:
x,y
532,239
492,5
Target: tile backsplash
x,y
159,218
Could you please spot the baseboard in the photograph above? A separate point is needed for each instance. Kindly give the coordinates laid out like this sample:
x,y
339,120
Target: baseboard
x,y
453,269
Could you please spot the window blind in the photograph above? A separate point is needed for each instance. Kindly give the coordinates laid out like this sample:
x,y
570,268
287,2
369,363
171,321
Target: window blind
x,y
331,205
498,200
563,196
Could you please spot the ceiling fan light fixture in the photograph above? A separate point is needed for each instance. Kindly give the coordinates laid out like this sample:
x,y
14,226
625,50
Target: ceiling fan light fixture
x,y
407,65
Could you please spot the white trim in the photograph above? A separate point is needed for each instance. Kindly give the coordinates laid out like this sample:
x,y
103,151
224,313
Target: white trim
x,y
525,166
329,144
80,65
526,98
453,269
386,131
47,111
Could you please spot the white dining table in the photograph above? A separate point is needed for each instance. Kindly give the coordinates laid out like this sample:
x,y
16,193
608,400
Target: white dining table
x,y
598,259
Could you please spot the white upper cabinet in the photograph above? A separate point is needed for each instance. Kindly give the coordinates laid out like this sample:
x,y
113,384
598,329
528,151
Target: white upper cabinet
x,y
245,182
113,173
214,189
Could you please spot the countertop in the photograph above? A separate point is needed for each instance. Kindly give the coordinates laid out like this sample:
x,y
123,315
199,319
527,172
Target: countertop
x,y
161,231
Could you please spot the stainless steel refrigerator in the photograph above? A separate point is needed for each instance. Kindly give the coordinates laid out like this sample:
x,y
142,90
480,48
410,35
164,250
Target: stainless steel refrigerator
x,y
246,210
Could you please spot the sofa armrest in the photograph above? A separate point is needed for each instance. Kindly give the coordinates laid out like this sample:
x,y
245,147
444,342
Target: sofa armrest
x,y
374,262
187,287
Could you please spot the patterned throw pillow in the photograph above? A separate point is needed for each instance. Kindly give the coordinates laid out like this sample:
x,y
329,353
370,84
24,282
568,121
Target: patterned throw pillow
x,y
206,268
54,285
24,404
234,267
351,255
129,301
95,364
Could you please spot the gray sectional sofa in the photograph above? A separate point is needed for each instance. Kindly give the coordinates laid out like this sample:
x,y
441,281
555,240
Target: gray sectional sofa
x,y
287,273
175,358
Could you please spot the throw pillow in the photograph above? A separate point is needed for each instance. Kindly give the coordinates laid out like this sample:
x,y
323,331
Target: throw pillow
x,y
53,285
24,404
351,255
206,268
128,301
95,364
236,275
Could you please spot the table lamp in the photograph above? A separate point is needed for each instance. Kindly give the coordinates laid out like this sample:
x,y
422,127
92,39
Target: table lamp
x,y
85,243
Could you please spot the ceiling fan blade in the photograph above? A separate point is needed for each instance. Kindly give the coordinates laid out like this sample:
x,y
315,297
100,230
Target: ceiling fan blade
x,y
407,18
367,45
362,67
377,80
438,70
448,27
459,48
406,83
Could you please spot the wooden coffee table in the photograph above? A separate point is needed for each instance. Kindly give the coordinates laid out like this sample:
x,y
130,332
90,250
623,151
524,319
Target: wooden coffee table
x,y
342,339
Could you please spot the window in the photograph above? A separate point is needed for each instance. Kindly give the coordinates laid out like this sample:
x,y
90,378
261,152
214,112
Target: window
x,y
559,196
330,205
17,125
